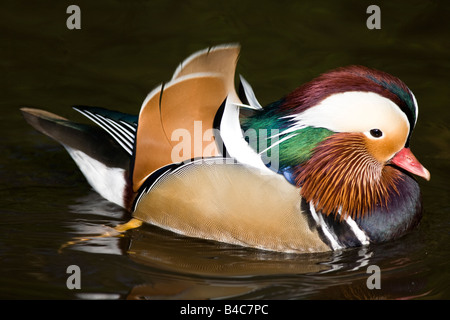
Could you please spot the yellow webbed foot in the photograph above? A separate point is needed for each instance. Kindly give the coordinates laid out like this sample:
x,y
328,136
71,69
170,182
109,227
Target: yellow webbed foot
x,y
116,231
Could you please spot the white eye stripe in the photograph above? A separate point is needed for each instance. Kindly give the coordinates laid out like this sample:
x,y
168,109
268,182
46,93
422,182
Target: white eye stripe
x,y
353,111
416,106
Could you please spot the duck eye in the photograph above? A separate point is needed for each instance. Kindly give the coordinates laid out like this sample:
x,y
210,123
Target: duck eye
x,y
376,133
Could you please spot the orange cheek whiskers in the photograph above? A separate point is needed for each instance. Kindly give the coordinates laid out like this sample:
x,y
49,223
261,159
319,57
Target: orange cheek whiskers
x,y
342,176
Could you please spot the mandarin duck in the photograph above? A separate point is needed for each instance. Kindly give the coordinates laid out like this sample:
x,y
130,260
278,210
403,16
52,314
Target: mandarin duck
x,y
324,168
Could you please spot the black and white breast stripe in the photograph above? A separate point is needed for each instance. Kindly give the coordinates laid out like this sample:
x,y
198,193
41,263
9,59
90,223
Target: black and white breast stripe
x,y
123,132
338,234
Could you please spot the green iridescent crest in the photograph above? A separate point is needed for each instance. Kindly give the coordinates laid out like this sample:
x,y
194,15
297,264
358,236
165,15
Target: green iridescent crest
x,y
264,133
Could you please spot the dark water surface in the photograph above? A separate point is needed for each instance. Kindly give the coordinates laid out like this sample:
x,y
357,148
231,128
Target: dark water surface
x,y
122,51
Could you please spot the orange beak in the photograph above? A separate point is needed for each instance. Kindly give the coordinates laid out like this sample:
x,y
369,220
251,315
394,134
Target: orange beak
x,y
406,160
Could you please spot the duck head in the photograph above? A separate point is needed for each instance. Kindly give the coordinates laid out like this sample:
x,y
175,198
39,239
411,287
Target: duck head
x,y
344,139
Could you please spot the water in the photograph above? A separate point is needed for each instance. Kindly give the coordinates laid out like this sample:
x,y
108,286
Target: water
x,y
124,50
